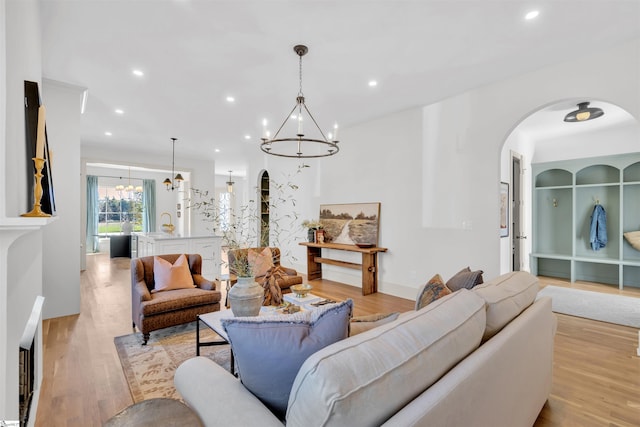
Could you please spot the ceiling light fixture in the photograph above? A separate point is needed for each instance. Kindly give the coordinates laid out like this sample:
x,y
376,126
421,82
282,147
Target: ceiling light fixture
x,y
373,83
583,113
119,111
138,73
230,99
283,147
108,133
175,184
531,15
230,184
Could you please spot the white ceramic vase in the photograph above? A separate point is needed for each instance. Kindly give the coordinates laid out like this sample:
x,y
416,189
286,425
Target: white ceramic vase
x,y
246,297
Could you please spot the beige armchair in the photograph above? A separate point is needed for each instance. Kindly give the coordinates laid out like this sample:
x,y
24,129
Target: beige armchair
x,y
152,311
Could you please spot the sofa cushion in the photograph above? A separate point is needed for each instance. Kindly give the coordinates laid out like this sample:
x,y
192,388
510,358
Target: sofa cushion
x,y
361,324
178,299
506,297
432,290
465,278
269,350
169,276
365,379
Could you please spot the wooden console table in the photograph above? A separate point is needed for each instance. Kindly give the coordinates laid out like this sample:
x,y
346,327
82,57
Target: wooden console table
x,y
369,264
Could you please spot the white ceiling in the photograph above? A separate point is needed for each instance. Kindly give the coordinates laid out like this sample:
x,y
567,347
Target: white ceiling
x,y
195,53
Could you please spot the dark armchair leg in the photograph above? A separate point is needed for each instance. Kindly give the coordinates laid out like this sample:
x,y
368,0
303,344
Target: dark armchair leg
x,y
145,338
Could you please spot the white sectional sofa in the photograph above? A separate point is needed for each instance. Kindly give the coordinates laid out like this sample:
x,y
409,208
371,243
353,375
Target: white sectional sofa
x,y
473,358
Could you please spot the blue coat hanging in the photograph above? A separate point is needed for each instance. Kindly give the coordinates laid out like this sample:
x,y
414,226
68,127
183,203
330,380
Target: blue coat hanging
x,y
598,232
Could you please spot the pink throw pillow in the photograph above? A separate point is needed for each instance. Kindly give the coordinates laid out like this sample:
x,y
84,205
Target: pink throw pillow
x,y
169,276
260,262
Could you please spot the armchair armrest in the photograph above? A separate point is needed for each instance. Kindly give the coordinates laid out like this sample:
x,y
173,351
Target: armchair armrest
x,y
289,271
141,289
202,283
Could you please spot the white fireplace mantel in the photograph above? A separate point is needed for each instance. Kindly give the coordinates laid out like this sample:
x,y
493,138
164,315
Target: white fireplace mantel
x,y
20,284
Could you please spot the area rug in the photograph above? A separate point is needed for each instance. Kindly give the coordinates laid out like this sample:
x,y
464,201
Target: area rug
x,y
149,369
609,308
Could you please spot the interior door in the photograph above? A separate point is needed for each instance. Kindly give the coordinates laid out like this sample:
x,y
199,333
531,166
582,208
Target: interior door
x,y
516,213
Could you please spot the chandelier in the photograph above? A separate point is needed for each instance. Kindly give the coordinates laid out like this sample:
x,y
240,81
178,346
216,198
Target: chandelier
x,y
293,146
130,189
175,184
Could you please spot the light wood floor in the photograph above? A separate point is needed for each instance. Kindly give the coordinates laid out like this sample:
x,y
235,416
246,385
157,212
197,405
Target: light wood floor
x,y
596,373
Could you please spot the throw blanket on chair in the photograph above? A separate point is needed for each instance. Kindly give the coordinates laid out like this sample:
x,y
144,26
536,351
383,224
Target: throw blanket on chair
x,y
272,291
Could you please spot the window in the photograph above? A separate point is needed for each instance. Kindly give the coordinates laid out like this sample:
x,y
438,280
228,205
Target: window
x,y
117,206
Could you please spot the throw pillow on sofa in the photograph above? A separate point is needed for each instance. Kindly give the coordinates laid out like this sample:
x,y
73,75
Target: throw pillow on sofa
x,y
465,278
269,350
434,289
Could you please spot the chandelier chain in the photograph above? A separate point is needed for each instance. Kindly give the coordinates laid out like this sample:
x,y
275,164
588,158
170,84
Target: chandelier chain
x,y
300,76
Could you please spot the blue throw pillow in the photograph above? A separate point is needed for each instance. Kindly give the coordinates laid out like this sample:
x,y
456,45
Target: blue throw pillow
x,y
269,350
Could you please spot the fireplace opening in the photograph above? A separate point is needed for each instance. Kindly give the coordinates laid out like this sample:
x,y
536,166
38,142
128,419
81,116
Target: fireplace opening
x,y
26,376
28,363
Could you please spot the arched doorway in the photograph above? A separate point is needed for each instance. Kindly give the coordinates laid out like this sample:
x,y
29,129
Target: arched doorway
x,y
263,207
543,137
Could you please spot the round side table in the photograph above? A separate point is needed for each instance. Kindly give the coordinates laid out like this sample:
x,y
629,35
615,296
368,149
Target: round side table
x,y
156,412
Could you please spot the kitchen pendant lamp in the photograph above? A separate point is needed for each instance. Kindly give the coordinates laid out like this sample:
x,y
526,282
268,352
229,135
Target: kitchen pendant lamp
x,y
175,183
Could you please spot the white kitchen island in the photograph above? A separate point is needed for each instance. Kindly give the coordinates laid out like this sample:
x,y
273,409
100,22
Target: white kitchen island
x,y
159,243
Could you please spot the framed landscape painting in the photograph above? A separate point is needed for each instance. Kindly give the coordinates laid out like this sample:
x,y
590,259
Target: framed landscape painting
x,y
351,224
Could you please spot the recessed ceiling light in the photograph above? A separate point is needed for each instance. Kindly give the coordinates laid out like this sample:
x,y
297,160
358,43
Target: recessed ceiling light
x,y
294,116
230,99
119,111
247,136
373,83
531,15
217,150
108,133
138,73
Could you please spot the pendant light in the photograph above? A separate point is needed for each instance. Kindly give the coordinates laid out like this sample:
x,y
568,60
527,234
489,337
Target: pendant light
x,y
230,184
298,146
175,184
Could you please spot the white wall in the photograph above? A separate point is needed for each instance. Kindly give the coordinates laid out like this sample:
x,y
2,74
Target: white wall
x,y
62,245
606,142
437,169
20,257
